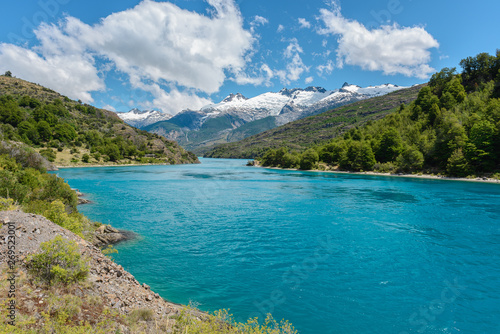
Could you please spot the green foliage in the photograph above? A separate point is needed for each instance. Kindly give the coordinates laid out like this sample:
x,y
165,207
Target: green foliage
x,y
390,145
223,322
450,128
48,154
56,212
59,261
86,158
309,159
317,130
7,204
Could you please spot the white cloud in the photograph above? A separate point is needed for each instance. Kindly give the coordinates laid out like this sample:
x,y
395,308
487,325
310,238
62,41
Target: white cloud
x,y
258,21
390,48
281,28
156,44
109,107
261,77
309,80
295,66
326,69
304,23
72,74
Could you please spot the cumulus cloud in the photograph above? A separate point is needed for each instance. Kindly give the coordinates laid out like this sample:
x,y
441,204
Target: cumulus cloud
x,y
309,80
156,45
390,48
304,23
74,75
281,28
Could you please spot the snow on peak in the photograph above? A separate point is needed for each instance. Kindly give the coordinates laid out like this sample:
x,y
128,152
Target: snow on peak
x,y
234,98
141,118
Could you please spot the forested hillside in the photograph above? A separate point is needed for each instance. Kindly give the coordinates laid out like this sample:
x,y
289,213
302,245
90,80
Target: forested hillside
x,y
452,128
68,132
316,130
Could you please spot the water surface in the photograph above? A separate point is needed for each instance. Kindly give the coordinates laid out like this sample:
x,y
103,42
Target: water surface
x,y
332,253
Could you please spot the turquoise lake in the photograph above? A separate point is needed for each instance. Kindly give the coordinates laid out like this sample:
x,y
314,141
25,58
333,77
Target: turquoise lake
x,y
332,253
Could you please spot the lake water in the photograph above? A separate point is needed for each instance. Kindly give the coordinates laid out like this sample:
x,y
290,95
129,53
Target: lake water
x,y
332,253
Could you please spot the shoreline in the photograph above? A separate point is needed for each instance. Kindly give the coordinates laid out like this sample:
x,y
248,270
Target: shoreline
x,y
422,176
115,165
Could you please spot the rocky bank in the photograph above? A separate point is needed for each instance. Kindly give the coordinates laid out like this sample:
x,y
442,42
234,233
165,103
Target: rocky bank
x,y
117,288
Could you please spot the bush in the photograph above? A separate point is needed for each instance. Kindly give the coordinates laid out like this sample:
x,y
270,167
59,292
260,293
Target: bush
x,y
7,204
58,215
86,158
59,261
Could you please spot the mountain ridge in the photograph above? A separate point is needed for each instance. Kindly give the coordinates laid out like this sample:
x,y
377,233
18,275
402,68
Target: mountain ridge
x,y
218,123
315,129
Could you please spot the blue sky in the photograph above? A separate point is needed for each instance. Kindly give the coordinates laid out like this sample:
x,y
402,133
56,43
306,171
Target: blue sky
x,y
186,53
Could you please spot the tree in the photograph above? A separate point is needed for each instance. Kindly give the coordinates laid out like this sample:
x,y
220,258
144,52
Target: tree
x,y
458,165
390,145
309,159
440,79
64,132
8,74
410,159
478,70
113,152
44,131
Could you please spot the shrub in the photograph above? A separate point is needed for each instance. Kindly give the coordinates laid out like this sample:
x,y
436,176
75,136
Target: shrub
x,y
58,215
7,204
86,158
59,261
142,314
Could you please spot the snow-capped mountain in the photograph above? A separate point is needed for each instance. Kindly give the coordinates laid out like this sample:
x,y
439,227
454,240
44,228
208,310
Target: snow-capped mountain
x,y
142,118
237,117
290,104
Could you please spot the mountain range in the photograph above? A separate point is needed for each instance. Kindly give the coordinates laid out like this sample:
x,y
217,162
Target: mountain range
x,y
237,117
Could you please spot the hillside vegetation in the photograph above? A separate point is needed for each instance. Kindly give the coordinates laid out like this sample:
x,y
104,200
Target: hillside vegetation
x,y
452,128
68,132
315,130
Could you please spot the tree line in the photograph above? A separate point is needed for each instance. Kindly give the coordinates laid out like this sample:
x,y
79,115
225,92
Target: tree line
x,y
452,128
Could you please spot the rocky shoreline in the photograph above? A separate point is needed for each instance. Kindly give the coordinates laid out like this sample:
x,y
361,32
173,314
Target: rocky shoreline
x,y
106,234
118,288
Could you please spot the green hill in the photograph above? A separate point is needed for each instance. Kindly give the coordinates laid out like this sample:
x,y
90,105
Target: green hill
x,y
71,133
452,128
315,130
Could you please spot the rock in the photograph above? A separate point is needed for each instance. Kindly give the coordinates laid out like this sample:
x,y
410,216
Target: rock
x,y
83,201
147,287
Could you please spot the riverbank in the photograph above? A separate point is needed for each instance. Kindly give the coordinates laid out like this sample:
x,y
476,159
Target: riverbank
x,y
418,176
110,293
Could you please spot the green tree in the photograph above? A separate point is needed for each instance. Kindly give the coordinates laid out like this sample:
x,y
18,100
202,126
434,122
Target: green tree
x,y
458,165
64,132
410,159
440,79
8,74
309,159
44,130
86,158
390,146
113,152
